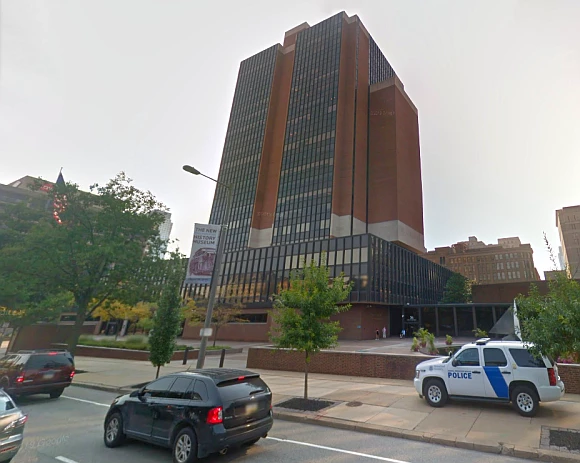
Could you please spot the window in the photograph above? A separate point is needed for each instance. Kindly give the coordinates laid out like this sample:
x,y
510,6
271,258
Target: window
x,y
254,317
38,362
493,357
233,390
179,388
199,391
524,358
6,404
442,260
158,388
468,358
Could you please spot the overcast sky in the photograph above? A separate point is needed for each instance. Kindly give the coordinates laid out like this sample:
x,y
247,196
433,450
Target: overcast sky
x,y
145,86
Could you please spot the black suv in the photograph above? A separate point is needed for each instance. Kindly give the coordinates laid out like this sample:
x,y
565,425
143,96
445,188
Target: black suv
x,y
195,413
37,372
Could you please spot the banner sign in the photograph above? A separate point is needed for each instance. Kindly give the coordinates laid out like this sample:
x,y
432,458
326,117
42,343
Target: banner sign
x,y
203,253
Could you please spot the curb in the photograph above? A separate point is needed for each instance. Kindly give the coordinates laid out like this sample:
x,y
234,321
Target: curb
x,y
427,437
101,387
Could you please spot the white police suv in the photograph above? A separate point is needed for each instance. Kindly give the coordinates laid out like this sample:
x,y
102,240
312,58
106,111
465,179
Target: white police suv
x,y
503,371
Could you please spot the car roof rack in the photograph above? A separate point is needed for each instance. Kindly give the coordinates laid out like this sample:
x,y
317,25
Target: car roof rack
x,y
482,341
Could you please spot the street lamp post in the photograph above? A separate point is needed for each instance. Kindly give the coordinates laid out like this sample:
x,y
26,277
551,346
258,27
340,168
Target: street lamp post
x,y
217,263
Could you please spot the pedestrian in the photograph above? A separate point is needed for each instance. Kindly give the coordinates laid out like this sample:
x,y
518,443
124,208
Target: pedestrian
x,y
384,332
377,335
403,332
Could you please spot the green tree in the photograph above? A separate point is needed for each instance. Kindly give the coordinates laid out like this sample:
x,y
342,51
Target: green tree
x,y
166,324
222,314
552,322
457,290
302,312
93,249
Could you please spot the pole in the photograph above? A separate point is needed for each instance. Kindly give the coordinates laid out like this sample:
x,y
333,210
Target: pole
x,y
215,276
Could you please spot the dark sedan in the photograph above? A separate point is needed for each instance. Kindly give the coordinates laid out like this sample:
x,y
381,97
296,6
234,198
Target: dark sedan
x,y
195,413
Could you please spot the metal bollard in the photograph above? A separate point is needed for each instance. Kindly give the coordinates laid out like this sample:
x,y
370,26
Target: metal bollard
x,y
185,352
222,357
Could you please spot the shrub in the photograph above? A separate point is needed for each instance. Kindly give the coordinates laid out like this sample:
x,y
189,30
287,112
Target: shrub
x,y
415,345
448,340
479,333
431,341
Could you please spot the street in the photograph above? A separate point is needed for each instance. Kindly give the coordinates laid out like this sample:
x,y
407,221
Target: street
x,y
70,430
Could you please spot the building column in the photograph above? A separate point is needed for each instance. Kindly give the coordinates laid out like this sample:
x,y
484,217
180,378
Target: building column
x,y
474,317
494,314
455,322
436,321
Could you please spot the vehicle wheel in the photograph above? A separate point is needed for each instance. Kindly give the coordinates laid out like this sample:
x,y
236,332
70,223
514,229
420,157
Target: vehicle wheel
x,y
525,401
435,393
56,394
114,435
185,446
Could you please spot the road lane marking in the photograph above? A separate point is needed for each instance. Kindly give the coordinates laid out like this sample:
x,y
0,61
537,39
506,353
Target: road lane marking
x,y
332,449
65,460
85,401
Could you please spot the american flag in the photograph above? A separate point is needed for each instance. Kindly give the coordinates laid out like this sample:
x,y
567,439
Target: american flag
x,y
59,201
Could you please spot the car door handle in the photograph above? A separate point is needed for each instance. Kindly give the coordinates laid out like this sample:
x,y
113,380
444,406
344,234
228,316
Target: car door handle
x,y
506,372
476,372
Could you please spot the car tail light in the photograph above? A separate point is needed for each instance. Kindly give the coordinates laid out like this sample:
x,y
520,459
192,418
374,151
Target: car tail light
x,y
552,376
17,423
20,379
241,378
215,416
72,374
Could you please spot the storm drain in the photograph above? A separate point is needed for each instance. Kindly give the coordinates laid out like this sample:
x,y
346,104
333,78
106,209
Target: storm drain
x,y
562,439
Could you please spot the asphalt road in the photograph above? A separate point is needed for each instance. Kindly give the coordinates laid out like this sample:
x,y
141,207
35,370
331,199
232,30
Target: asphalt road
x,y
70,430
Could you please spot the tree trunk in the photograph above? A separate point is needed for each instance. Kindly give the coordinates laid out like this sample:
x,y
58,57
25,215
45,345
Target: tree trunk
x,y
157,374
306,376
75,334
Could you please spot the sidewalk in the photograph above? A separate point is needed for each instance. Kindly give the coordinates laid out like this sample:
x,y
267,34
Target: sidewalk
x,y
379,406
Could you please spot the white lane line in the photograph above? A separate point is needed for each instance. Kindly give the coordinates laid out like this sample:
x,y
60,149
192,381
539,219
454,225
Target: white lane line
x,y
332,449
65,460
85,401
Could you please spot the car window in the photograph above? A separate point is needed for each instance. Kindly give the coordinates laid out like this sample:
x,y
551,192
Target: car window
x,y
38,362
180,388
199,391
6,404
494,357
158,389
468,358
524,358
12,360
233,390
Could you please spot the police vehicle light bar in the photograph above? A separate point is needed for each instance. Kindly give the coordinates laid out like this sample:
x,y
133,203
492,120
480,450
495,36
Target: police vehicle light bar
x,y
482,341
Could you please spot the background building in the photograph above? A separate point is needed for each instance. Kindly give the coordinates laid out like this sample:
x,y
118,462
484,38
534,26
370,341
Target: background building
x,y
568,223
165,231
508,260
322,152
20,191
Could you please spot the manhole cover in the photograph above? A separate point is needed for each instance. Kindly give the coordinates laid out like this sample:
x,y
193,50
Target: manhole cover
x,y
563,439
354,404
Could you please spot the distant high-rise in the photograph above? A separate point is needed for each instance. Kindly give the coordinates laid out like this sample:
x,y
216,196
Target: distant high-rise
x,y
322,142
568,223
165,230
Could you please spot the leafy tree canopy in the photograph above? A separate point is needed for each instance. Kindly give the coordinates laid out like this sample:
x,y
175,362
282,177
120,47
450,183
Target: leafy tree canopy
x,y
99,247
457,290
222,314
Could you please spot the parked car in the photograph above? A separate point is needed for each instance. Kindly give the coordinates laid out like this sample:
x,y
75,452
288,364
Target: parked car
x,y
12,422
499,371
37,372
195,413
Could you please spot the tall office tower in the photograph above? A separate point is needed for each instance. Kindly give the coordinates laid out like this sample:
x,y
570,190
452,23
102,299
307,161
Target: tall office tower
x,y
165,231
568,223
322,153
322,142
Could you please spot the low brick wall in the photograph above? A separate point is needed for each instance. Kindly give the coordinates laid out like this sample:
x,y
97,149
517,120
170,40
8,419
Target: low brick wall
x,y
570,374
394,366
368,364
123,354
